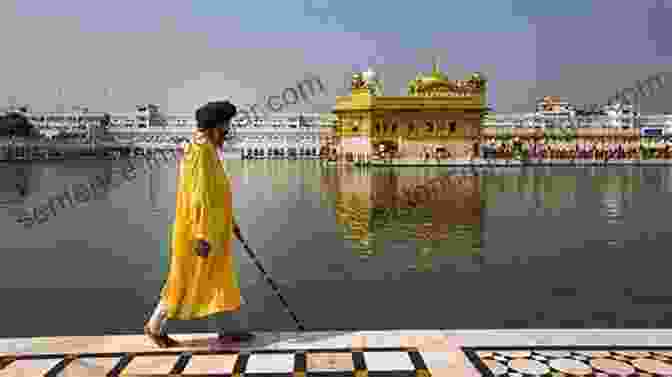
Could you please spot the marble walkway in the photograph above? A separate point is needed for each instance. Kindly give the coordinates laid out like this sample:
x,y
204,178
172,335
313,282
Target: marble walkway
x,y
418,353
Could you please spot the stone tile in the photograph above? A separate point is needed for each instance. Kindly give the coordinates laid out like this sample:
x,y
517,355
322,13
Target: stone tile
x,y
93,367
426,342
204,364
329,362
612,366
533,367
28,368
151,364
437,360
358,342
384,361
653,366
270,363
496,367
463,368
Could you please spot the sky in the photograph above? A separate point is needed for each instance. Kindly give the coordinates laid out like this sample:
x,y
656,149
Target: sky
x,y
112,55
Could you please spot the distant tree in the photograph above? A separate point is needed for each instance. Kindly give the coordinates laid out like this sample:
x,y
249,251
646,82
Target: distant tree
x,y
16,124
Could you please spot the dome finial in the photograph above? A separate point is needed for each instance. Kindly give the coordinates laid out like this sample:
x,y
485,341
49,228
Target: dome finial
x,y
435,66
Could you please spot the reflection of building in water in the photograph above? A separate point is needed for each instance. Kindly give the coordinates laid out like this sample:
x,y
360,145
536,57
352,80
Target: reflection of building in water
x,y
353,207
153,183
437,115
375,207
447,208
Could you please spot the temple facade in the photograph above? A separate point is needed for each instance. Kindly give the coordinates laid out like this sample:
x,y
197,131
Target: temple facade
x,y
437,115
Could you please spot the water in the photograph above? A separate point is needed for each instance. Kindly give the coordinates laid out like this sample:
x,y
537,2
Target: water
x,y
492,248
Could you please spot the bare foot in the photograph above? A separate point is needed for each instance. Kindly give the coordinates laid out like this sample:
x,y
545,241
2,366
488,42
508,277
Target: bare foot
x,y
160,340
168,341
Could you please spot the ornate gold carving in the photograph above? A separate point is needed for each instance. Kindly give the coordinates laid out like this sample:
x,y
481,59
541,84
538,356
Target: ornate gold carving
x,y
437,84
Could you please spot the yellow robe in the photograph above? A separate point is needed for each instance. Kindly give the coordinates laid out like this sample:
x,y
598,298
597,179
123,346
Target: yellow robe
x,y
197,287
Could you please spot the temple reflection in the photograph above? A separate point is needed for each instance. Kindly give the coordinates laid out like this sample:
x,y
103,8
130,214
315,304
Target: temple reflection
x,y
433,215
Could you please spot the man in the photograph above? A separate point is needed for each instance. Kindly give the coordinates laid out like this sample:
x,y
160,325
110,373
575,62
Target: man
x,y
202,278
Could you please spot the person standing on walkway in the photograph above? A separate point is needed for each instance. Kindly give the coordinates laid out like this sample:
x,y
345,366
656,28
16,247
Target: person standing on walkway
x,y
202,276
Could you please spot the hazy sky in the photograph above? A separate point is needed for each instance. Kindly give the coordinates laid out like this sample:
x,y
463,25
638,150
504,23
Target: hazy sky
x,y
180,54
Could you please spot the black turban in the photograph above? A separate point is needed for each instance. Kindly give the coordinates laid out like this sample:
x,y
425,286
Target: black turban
x,y
212,114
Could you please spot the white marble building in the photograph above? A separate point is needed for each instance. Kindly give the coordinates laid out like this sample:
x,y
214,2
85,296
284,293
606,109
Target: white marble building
x,y
563,114
278,135
283,135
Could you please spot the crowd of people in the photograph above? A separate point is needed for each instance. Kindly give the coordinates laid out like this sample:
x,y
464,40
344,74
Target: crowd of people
x,y
534,149
588,149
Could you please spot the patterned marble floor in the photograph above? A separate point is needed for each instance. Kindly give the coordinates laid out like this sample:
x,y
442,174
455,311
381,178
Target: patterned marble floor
x,y
351,353
572,361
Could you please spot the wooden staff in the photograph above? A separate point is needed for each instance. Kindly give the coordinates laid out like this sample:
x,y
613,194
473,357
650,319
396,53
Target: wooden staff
x,y
268,279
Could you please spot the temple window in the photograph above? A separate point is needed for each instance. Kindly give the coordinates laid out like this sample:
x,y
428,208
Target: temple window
x,y
453,126
430,126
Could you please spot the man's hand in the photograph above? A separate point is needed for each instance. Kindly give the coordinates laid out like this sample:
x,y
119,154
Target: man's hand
x,y
236,231
202,248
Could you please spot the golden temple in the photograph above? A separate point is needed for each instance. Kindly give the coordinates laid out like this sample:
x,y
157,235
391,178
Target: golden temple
x,y
437,115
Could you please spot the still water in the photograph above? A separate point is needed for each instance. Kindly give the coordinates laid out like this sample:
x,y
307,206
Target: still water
x,y
353,249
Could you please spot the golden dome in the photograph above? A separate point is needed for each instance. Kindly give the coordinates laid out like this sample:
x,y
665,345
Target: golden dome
x,y
435,77
432,82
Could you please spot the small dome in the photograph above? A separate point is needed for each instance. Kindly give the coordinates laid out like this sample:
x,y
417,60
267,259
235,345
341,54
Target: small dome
x,y
479,76
370,75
